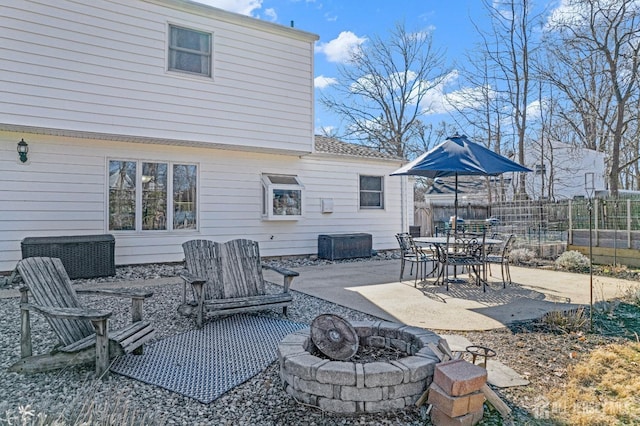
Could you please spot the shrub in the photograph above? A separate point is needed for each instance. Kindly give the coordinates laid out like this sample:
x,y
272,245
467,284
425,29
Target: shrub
x,y
571,321
521,256
632,295
573,261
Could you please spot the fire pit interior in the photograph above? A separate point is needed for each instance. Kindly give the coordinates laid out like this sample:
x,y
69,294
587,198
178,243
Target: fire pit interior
x,y
390,368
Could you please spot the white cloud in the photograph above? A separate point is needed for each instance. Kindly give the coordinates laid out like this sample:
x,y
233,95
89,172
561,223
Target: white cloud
x,y
244,7
325,130
271,14
534,109
321,81
565,13
438,101
340,49
573,13
330,17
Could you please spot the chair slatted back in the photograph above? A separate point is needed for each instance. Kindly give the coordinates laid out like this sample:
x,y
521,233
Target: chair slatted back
x,y
403,242
508,246
202,259
469,247
241,268
232,269
407,245
50,286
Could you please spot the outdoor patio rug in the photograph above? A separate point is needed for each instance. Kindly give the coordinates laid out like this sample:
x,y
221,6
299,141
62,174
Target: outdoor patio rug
x,y
205,363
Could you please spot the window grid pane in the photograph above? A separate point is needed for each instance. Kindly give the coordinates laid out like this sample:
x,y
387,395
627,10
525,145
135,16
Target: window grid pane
x,y
154,196
371,192
122,195
287,202
189,51
184,196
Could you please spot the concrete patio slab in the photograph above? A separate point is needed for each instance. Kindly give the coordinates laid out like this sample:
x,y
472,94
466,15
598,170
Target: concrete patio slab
x,y
373,287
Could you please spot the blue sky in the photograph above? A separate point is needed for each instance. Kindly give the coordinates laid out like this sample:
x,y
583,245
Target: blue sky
x,y
343,24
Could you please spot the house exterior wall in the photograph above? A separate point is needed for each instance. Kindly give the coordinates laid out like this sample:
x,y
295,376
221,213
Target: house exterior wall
x,y
568,164
86,82
63,190
101,66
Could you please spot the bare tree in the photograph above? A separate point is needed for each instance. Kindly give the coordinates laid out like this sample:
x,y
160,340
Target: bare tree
x,y
509,48
499,70
594,61
381,91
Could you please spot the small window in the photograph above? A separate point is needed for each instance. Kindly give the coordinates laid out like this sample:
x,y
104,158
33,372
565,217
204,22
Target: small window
x,y
189,51
540,169
282,197
371,192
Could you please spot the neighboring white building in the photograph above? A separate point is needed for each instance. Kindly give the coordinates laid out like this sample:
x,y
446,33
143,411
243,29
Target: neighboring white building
x,y
561,175
160,121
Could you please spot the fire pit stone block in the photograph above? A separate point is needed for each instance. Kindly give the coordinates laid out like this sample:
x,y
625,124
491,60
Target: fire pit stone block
x,y
348,387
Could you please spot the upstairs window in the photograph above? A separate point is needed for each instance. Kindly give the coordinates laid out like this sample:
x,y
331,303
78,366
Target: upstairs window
x,y
282,197
371,192
189,51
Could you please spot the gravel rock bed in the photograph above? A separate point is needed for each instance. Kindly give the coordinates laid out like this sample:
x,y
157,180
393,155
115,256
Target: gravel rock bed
x,y
539,353
67,393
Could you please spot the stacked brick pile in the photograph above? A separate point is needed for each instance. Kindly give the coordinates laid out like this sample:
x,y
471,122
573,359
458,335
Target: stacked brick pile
x,y
455,393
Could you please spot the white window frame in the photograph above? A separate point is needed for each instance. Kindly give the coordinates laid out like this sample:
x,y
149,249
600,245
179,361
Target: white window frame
x,y
171,48
381,192
272,208
138,197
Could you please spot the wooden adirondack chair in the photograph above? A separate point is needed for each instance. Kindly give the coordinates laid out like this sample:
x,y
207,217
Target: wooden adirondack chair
x,y
83,332
227,278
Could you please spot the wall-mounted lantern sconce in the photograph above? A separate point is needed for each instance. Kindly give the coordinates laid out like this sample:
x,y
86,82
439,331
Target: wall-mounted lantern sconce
x,y
23,148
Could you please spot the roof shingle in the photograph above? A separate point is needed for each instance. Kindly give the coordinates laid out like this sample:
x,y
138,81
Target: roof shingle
x,y
329,145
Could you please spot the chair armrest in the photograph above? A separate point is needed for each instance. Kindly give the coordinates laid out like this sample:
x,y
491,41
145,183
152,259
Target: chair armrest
x,y
288,275
192,279
69,313
133,294
281,271
137,299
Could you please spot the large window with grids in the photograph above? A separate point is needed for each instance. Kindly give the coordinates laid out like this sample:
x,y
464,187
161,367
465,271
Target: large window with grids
x,y
189,51
152,196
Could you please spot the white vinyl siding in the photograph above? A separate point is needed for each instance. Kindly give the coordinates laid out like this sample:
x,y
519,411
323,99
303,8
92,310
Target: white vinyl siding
x,y
101,66
64,191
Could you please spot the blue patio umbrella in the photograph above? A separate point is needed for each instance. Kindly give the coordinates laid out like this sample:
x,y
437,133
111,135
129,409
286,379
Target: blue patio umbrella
x,y
458,156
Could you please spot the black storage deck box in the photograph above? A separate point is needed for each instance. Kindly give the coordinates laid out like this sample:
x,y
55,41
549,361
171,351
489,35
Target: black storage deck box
x,y
83,256
344,246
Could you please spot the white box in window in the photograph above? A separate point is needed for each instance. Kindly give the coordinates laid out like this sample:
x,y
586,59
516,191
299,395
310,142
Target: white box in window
x,y
282,197
327,205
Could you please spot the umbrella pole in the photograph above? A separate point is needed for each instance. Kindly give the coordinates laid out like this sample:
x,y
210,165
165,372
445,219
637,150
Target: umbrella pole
x,y
454,225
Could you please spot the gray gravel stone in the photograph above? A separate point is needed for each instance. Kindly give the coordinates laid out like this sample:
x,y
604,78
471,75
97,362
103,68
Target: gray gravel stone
x,y
68,393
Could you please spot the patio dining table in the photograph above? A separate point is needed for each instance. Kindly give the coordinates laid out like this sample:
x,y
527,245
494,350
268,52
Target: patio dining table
x,y
458,241
443,240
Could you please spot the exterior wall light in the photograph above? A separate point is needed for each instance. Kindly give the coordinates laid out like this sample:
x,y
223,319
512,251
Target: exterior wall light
x,y
23,149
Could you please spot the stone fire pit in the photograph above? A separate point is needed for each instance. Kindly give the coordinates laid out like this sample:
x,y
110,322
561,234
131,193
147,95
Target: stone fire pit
x,y
357,387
